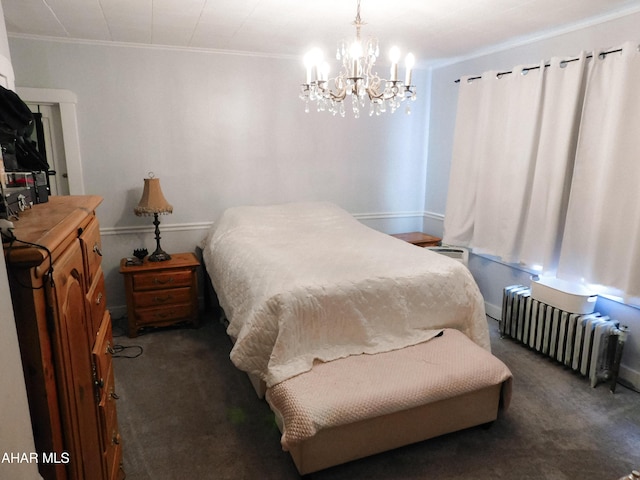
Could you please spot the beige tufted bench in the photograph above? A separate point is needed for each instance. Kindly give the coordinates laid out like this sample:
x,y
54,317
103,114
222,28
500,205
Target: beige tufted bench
x,y
365,404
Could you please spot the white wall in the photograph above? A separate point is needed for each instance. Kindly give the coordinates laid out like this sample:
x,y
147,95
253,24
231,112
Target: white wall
x,y
492,277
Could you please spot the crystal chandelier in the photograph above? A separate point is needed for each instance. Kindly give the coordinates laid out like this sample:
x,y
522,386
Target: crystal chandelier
x,y
356,79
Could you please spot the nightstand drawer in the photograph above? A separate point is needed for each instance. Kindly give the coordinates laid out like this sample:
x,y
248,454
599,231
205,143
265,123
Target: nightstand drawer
x,y
160,315
153,281
156,298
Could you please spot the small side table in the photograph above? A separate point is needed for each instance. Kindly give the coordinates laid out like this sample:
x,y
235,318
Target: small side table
x,y
161,293
419,239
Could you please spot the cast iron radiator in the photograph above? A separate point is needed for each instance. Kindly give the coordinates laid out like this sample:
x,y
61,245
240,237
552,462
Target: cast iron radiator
x,y
590,344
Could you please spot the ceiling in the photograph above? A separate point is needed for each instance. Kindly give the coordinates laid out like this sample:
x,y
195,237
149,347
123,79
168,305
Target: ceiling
x,y
433,29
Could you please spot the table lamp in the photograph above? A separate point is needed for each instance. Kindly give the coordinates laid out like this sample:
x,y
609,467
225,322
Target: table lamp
x,y
154,203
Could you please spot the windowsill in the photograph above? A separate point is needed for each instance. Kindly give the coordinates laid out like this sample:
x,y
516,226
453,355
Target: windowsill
x,y
531,271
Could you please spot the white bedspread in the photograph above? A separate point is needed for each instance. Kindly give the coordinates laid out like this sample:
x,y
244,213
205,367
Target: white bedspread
x,y
307,281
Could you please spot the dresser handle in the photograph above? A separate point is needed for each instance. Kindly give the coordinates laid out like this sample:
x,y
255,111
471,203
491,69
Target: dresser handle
x,y
96,249
164,299
157,281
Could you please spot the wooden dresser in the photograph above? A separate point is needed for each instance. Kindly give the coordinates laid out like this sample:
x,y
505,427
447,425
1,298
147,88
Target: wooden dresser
x,y
64,331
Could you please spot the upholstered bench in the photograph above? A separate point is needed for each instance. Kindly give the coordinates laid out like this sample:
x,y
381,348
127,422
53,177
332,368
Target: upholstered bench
x,y
361,405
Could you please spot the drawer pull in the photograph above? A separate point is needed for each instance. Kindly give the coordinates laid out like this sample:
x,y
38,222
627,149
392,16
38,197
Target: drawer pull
x,y
166,314
99,298
157,281
96,249
114,395
164,299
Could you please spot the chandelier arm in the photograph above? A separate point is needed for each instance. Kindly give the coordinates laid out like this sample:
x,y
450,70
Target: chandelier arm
x,y
338,97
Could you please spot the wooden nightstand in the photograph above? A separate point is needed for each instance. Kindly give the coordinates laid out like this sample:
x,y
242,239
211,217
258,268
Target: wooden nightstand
x,y
419,239
161,293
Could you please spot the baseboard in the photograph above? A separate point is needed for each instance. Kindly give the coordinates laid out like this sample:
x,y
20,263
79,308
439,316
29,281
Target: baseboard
x,y
630,376
118,311
493,311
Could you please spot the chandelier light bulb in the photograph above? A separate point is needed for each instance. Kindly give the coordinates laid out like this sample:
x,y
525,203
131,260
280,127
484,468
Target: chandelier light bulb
x,y
409,62
312,62
308,63
394,55
324,71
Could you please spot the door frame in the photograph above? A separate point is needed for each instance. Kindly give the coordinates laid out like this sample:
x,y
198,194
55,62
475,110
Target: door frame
x,y
66,101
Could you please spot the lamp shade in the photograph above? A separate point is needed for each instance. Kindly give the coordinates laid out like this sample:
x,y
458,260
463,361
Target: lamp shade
x,y
152,201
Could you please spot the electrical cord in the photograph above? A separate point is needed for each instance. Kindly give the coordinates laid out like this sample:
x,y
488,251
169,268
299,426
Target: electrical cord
x,y
12,239
118,349
119,331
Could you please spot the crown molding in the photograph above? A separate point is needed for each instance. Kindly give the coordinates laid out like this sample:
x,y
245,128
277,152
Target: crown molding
x,y
109,43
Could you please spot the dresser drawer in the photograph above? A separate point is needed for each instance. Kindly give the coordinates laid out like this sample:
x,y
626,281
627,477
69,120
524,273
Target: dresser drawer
x,y
102,352
168,314
97,304
91,250
107,408
155,298
111,441
113,456
167,279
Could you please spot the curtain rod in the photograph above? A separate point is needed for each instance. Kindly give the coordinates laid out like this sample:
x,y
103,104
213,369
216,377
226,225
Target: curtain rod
x,y
499,74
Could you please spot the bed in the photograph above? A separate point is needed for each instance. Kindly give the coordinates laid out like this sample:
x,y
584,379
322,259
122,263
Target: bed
x,y
306,284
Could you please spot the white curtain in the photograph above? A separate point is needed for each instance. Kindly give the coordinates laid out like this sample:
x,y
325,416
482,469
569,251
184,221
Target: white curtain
x,y
513,153
601,244
554,163
491,158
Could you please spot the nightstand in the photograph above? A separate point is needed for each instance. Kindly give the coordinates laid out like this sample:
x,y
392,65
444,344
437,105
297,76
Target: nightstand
x,y
419,239
161,293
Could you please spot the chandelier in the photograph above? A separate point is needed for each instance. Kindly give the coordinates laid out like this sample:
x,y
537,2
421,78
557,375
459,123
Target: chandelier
x,y
356,79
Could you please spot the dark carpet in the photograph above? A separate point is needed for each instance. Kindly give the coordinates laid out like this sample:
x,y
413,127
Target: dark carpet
x,y
186,413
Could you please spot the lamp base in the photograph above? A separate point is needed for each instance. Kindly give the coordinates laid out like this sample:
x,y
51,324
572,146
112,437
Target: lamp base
x,y
159,256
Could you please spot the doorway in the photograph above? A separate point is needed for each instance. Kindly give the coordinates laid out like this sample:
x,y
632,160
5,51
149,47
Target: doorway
x,y
48,133
62,146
